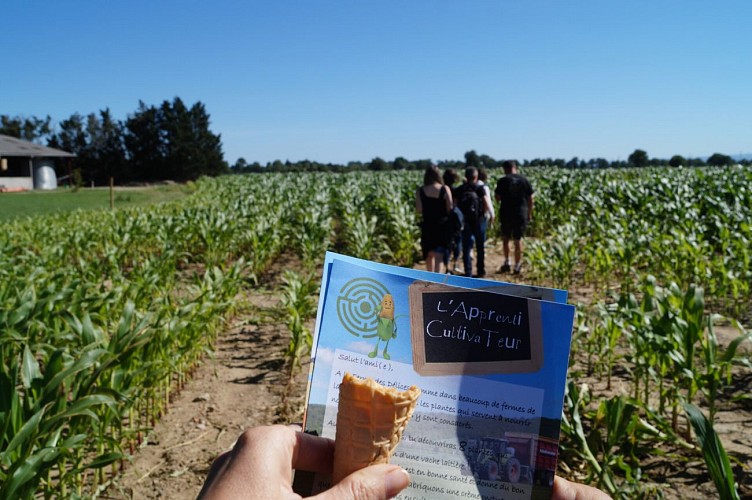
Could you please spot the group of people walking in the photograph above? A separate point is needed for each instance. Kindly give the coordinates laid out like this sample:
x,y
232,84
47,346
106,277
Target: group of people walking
x,y
455,218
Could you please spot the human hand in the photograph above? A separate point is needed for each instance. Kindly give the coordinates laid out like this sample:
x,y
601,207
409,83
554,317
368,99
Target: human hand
x,y
567,490
260,465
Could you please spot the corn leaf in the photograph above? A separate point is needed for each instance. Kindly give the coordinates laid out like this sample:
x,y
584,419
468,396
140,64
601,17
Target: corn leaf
x,y
714,453
30,368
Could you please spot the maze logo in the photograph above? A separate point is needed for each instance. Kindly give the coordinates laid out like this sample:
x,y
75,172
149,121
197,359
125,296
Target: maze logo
x,y
357,305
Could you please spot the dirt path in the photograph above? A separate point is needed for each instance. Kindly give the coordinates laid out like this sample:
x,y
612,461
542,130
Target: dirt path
x,y
243,386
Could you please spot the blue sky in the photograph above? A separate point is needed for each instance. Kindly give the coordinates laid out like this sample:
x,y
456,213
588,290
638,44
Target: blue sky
x,y
340,81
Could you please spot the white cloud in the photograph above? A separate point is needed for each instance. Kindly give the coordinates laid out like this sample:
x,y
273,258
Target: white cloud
x,y
324,356
361,346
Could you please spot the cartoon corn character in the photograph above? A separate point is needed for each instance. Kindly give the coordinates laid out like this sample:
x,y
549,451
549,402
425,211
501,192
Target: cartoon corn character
x,y
386,328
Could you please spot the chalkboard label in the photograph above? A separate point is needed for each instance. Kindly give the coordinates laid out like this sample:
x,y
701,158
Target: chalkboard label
x,y
462,331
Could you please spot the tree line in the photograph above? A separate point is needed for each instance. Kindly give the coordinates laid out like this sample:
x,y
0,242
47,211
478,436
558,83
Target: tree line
x,y
174,142
639,158
169,141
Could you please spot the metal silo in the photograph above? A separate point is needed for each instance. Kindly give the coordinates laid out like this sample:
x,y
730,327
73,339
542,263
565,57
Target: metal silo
x,y
44,174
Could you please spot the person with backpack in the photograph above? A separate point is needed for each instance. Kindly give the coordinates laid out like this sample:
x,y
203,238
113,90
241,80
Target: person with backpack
x,y
456,223
515,193
473,202
433,201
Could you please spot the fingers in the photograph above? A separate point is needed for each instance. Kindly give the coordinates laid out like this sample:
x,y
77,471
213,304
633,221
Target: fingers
x,y
260,463
288,448
262,452
313,453
262,459
377,482
567,490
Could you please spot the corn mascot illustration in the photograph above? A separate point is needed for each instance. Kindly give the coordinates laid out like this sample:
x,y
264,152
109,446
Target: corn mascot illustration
x,y
386,328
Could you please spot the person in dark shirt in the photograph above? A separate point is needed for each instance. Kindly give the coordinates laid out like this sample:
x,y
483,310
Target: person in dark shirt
x,y
515,193
473,201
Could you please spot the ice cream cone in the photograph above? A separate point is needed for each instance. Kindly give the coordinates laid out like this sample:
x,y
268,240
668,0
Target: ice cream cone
x,y
370,421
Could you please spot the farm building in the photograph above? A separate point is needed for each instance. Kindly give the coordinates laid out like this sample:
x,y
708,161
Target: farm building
x,y
25,165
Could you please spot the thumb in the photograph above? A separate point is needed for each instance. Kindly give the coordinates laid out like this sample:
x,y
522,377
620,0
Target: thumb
x,y
376,482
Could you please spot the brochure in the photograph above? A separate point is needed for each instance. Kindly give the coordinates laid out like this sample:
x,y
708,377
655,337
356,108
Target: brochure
x,y
489,357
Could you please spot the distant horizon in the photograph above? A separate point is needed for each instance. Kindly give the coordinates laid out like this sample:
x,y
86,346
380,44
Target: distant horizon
x,y
735,157
738,157
334,83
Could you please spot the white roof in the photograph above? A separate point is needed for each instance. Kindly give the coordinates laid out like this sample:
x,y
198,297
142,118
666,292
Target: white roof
x,y
12,146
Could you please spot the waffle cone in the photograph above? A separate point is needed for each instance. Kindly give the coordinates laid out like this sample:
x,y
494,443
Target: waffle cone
x,y
370,421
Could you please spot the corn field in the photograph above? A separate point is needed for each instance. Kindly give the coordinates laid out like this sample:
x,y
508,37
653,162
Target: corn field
x,y
104,316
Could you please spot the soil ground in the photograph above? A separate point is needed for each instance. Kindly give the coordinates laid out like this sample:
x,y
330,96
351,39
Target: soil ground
x,y
245,384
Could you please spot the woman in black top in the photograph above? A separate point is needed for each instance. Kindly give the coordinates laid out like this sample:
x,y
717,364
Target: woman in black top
x,y
434,201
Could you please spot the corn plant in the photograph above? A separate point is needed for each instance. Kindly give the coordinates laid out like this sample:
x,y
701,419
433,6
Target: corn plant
x,y
363,241
607,334
115,310
714,454
717,364
610,439
96,335
311,231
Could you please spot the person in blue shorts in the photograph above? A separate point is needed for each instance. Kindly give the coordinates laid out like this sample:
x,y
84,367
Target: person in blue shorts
x,y
515,194
473,201
452,177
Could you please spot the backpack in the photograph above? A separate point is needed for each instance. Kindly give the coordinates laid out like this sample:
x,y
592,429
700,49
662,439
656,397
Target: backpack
x,y
471,206
453,224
